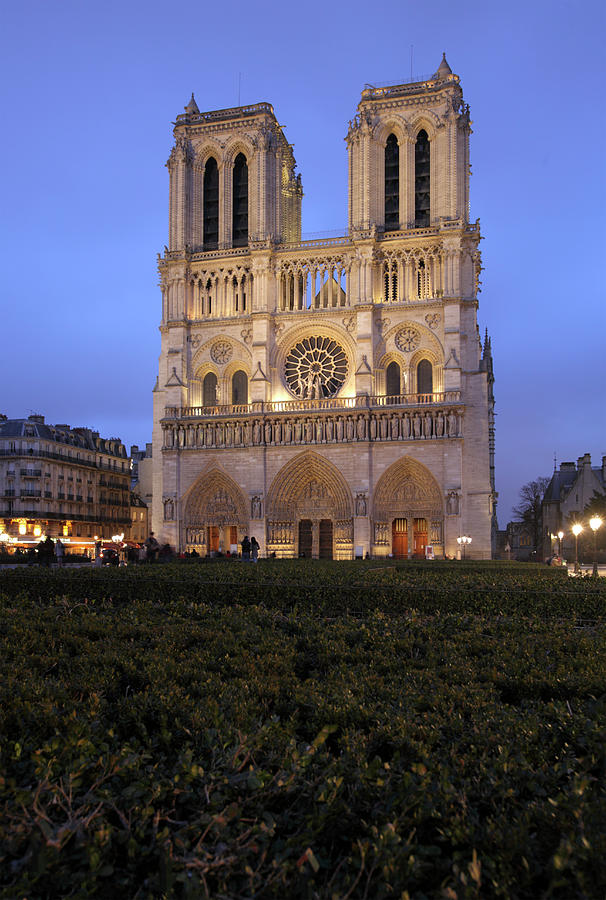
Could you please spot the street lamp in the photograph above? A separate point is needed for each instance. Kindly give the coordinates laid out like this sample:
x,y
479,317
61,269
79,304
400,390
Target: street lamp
x,y
463,540
576,530
560,536
594,523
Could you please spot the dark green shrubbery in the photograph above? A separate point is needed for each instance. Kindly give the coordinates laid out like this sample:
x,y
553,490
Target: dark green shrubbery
x,y
299,730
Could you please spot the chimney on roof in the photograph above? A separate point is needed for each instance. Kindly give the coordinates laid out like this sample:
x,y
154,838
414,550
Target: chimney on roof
x,y
567,467
36,418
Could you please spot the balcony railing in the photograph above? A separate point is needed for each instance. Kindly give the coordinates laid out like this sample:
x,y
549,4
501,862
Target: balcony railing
x,y
328,403
30,473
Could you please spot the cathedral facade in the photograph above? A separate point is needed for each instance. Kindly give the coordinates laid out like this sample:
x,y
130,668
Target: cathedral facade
x,y
330,397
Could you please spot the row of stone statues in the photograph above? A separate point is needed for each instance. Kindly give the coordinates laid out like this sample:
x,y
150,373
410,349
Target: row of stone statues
x,y
317,430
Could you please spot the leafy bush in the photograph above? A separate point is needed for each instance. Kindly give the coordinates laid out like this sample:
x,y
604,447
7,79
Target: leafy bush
x,y
300,730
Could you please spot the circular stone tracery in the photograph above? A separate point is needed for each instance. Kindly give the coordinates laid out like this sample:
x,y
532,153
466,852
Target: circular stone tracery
x,y
315,367
221,351
407,339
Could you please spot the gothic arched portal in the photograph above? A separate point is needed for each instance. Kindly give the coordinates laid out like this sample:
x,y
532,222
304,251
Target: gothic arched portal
x,y
215,513
408,501
310,510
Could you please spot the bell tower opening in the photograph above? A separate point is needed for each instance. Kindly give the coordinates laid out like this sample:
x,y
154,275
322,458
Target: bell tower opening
x,y
422,180
392,184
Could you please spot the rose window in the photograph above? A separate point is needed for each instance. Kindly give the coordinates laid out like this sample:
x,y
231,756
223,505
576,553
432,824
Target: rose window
x,y
316,367
408,339
221,351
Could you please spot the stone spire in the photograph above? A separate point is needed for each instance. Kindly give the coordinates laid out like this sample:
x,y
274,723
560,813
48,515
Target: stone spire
x,y
192,106
443,69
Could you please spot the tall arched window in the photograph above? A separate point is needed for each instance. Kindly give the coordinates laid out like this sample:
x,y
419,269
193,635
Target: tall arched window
x,y
392,184
239,388
211,204
392,380
240,202
209,390
422,154
424,377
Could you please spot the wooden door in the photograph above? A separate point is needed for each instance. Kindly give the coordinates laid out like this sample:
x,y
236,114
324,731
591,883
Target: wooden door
x,y
213,538
325,539
420,537
305,538
399,539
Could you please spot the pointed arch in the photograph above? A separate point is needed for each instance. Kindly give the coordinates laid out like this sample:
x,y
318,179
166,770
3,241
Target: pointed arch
x,y
407,489
215,499
307,480
392,183
240,201
210,214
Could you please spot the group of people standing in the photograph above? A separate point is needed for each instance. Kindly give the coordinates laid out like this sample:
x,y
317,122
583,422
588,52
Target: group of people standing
x,y
49,550
250,548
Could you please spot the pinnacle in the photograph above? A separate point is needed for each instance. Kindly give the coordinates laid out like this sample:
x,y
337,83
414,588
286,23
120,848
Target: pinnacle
x,y
192,106
443,69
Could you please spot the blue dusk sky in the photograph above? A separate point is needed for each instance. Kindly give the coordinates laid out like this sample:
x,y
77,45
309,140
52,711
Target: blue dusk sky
x,y
89,92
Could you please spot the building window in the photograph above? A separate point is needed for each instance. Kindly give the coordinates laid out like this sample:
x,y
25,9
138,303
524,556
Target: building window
x,y
392,378
392,184
424,377
422,160
211,204
209,390
240,202
239,388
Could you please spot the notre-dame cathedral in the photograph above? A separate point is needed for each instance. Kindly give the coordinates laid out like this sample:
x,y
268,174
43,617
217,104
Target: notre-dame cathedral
x,y
331,397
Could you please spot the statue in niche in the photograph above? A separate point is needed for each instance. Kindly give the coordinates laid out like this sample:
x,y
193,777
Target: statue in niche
x,y
268,432
319,431
329,429
277,433
298,431
256,433
427,425
416,424
361,428
255,507
228,436
373,428
288,432
350,429
405,427
169,510
247,433
309,431
360,504
237,433
452,425
453,504
394,428
339,429
383,427
439,425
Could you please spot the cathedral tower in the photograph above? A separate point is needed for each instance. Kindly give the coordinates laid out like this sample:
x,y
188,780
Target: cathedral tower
x,y
330,397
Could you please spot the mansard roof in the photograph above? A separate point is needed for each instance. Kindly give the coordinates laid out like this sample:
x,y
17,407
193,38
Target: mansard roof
x,y
83,438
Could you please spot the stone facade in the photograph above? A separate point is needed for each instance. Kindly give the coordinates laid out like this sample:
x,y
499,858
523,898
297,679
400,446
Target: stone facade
x,y
331,397
570,490
61,482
